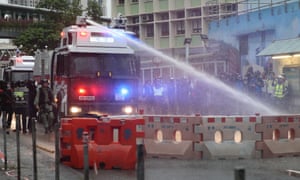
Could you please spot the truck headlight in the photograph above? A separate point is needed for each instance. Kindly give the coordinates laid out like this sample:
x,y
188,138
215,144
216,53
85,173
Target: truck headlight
x,y
75,109
127,109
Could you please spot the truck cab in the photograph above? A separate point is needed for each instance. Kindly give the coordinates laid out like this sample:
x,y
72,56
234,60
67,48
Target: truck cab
x,y
16,73
94,71
19,68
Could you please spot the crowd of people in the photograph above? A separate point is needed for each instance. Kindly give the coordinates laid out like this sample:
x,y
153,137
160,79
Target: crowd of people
x,y
207,97
182,96
28,101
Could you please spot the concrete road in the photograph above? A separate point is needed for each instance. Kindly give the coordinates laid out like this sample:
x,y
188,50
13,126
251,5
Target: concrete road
x,y
155,169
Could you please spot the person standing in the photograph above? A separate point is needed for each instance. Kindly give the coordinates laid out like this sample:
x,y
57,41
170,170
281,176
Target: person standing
x,y
7,101
269,86
183,95
44,102
280,91
31,107
171,95
259,84
148,96
20,107
159,99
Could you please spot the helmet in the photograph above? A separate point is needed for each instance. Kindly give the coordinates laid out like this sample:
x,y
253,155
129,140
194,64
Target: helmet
x,y
44,81
3,84
21,83
280,76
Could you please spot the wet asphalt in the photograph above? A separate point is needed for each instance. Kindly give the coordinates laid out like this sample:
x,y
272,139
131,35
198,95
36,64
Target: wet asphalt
x,y
155,169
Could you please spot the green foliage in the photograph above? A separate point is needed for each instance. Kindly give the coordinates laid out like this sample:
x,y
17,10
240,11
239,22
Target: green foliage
x,y
38,36
56,9
61,14
53,5
94,11
69,16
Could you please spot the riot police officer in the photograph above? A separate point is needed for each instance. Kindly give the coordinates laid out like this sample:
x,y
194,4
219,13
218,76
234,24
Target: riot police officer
x,y
7,101
44,102
21,100
31,107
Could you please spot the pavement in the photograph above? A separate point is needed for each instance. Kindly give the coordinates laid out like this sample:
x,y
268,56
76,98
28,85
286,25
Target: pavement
x,y
155,169
45,157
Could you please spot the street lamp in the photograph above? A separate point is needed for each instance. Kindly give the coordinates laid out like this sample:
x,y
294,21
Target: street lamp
x,y
187,42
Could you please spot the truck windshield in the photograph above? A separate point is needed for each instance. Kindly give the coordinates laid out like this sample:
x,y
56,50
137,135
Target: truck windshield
x,y
21,75
92,64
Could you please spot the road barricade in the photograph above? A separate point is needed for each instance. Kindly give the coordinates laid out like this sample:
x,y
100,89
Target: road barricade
x,y
172,137
280,136
229,137
112,142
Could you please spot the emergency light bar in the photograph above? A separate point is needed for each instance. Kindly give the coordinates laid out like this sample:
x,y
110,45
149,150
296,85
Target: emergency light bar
x,y
88,37
22,62
19,60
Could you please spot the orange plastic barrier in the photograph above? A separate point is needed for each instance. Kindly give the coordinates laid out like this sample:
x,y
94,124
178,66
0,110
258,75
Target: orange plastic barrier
x,y
229,137
172,137
105,156
280,136
112,141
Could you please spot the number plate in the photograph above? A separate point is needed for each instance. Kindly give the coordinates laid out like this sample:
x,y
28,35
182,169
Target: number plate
x,y
86,98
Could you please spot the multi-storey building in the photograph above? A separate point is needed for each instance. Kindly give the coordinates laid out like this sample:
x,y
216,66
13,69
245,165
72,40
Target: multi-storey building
x,y
177,28
31,3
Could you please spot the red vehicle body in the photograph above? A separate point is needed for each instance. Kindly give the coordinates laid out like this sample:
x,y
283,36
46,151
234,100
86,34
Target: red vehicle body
x,y
93,71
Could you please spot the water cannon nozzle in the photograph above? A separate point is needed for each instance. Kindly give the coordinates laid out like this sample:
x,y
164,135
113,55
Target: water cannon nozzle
x,y
81,20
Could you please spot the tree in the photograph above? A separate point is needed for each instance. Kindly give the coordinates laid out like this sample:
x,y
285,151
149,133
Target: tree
x,y
74,10
56,9
59,14
38,36
94,11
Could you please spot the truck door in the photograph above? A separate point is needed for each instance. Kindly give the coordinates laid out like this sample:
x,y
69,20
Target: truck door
x,y
2,74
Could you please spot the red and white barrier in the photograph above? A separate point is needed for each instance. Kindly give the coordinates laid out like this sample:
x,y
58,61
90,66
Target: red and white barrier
x,y
229,137
171,136
222,137
280,136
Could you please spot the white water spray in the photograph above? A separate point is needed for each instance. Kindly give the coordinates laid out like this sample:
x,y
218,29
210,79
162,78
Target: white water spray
x,y
237,95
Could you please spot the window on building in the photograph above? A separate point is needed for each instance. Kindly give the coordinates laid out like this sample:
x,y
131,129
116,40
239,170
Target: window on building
x,y
243,45
149,30
164,16
220,68
135,20
147,75
180,27
212,10
196,26
166,72
195,12
209,68
180,14
147,18
156,73
135,29
229,7
165,29
134,1
121,1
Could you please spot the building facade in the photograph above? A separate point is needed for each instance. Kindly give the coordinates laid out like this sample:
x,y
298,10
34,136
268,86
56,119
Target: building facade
x,y
31,3
255,30
172,26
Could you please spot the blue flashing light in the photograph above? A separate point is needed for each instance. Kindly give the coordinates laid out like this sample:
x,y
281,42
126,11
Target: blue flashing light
x,y
124,91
